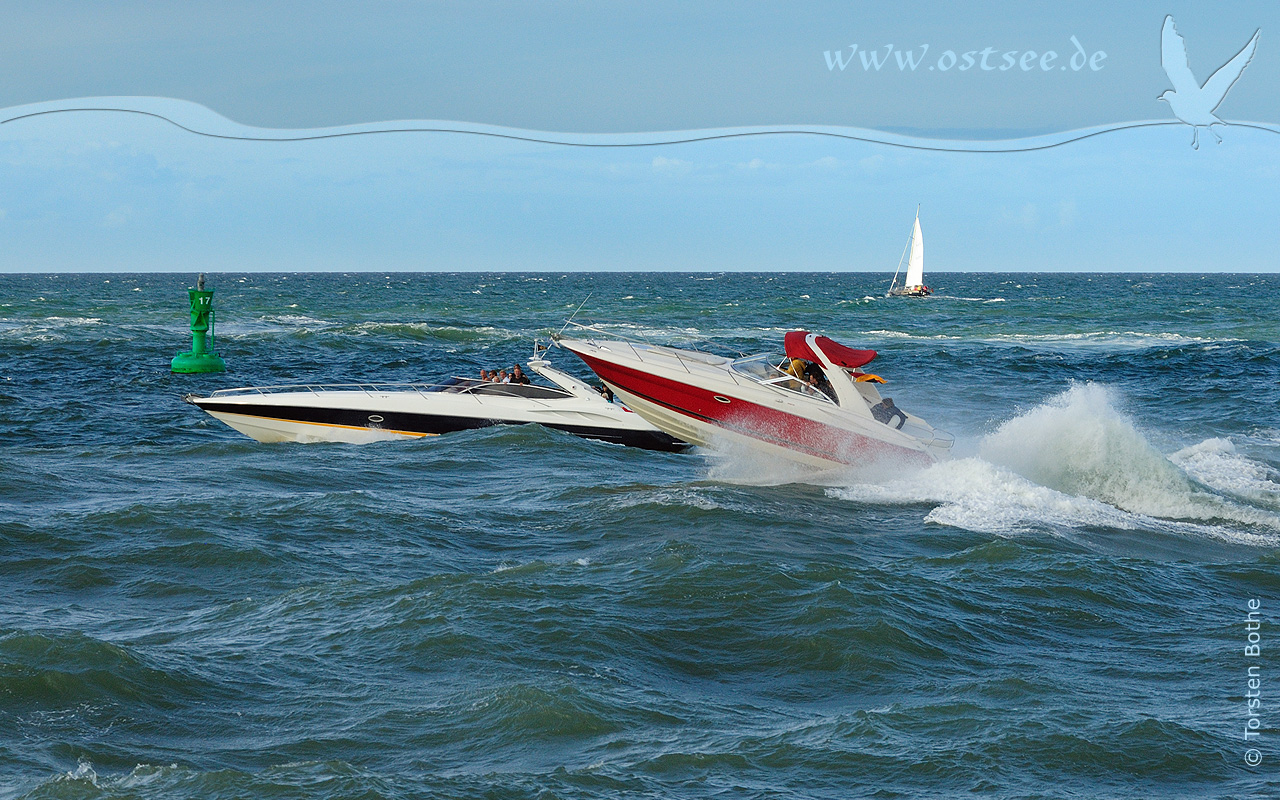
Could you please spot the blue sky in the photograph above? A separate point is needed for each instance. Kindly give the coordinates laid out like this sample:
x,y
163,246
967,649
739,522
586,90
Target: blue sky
x,y
110,192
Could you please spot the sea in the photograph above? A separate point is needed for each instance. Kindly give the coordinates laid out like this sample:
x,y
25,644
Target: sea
x,y
1080,603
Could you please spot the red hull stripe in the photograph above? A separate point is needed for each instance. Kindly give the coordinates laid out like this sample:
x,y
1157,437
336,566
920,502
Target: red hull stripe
x,y
749,419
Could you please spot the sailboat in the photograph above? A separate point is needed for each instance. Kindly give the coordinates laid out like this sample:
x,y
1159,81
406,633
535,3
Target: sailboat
x,y
913,286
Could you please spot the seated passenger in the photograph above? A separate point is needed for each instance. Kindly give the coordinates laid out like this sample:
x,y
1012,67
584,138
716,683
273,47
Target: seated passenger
x,y
518,376
502,377
797,368
814,374
885,411
484,375
606,392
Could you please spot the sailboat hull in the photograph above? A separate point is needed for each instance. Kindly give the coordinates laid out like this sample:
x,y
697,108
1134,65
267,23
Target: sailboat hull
x,y
912,291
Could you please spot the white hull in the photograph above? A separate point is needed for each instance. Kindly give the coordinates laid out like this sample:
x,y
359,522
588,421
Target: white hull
x,y
359,414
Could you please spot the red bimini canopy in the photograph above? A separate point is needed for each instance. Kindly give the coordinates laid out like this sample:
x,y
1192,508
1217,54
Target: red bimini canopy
x,y
797,346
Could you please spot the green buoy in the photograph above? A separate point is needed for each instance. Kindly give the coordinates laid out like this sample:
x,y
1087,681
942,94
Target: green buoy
x,y
201,357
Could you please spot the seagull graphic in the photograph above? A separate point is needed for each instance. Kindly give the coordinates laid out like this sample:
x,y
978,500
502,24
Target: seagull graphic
x,y
1192,103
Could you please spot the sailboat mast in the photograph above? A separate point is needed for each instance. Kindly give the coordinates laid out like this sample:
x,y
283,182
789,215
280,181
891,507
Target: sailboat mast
x,y
899,269
911,237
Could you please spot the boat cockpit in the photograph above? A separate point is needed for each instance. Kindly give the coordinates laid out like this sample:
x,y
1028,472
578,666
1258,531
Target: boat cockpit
x,y
783,375
476,386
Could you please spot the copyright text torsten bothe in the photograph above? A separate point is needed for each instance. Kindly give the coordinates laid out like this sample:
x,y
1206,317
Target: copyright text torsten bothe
x,y
1253,683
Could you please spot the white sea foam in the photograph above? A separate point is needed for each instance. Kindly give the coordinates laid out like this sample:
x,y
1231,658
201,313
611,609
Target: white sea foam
x,y
734,463
690,497
1076,461
976,495
1217,464
1098,339
1079,443
48,329
1269,435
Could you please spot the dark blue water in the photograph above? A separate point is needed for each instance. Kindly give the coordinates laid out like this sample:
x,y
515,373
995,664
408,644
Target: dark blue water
x,y
1059,611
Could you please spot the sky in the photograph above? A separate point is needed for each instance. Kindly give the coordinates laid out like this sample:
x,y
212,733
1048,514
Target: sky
x,y
119,192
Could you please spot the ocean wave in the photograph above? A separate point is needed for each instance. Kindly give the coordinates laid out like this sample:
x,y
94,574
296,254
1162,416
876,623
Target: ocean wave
x,y
320,780
290,325
1122,339
672,497
45,329
1076,462
41,670
1217,464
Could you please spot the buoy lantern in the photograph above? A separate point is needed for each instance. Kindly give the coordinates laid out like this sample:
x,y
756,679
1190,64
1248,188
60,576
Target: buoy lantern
x,y
201,357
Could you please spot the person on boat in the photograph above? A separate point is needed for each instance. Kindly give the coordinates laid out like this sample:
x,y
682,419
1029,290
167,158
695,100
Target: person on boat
x,y
797,368
606,392
815,377
502,377
885,411
484,375
518,376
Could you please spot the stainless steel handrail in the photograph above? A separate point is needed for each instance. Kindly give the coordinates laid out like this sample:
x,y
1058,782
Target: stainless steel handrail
x,y
367,388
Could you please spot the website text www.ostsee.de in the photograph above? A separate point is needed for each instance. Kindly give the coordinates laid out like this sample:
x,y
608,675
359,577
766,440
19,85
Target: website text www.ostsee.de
x,y
989,59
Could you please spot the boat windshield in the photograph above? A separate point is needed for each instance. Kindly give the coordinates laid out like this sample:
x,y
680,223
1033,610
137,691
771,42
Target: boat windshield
x,y
455,384
770,371
759,367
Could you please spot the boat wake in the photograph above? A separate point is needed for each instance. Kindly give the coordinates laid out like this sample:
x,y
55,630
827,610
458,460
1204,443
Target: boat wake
x,y
1073,462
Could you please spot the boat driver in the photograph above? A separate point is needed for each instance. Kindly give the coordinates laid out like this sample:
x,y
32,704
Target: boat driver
x,y
815,377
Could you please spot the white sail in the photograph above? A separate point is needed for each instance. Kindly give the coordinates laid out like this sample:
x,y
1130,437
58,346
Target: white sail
x,y
915,265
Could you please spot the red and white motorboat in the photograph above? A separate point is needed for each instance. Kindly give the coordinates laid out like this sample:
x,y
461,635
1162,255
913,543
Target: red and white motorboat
x,y
711,400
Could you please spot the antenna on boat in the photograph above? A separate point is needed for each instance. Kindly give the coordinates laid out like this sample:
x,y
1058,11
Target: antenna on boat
x,y
574,314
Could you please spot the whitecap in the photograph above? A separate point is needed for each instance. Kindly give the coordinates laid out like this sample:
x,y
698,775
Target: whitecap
x,y
1076,461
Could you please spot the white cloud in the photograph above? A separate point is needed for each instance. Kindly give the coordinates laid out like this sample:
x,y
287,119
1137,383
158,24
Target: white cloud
x,y
1067,213
1026,216
118,217
670,164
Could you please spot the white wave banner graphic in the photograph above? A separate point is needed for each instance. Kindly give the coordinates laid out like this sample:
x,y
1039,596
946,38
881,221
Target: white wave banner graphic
x,y
202,121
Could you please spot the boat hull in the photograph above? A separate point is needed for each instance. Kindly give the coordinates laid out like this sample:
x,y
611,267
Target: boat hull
x,y
914,291
333,417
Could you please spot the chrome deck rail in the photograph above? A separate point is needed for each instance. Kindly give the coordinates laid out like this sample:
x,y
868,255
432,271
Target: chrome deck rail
x,y
467,387
367,388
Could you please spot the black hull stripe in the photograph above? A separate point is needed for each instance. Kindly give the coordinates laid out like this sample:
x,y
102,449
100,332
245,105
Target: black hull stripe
x,y
434,424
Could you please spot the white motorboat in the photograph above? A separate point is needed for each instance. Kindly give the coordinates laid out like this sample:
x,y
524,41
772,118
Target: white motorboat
x,y
913,284
369,412
832,418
